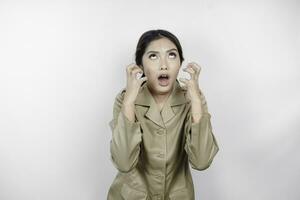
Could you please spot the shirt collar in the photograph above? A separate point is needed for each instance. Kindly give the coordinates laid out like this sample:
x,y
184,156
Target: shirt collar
x,y
170,108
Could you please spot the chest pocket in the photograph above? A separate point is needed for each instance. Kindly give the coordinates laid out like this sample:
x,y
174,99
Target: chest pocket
x,y
129,193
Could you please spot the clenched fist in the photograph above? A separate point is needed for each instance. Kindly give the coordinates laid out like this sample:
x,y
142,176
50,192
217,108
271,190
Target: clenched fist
x,y
133,83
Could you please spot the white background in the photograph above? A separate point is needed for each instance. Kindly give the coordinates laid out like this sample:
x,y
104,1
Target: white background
x,y
63,62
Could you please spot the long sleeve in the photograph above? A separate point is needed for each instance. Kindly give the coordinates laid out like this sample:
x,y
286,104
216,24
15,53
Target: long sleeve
x,y
126,138
200,145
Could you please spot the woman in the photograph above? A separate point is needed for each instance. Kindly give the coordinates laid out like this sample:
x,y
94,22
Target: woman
x,y
159,127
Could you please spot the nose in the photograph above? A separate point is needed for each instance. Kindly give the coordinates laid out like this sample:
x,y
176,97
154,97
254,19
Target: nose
x,y
163,65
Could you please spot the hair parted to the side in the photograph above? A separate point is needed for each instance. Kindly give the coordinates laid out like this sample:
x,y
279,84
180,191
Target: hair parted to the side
x,y
150,36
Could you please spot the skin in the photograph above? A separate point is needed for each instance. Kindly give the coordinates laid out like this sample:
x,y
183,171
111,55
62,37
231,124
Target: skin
x,y
161,56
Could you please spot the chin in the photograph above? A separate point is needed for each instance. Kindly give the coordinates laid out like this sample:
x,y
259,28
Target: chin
x,y
164,89
158,89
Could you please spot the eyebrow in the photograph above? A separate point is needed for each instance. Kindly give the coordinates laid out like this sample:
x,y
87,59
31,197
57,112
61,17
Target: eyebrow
x,y
157,51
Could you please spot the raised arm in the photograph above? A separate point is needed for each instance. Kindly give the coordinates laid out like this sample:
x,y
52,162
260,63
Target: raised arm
x,y
200,145
126,137
126,130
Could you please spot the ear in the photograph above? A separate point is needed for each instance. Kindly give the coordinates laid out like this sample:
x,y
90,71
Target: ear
x,y
142,67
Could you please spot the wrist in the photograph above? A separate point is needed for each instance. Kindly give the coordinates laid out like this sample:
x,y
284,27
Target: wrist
x,y
128,99
195,97
196,117
128,103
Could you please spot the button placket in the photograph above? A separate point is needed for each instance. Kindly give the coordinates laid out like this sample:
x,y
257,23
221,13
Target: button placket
x,y
162,154
165,155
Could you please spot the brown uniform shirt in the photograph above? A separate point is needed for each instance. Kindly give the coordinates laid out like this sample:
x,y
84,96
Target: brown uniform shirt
x,y
153,153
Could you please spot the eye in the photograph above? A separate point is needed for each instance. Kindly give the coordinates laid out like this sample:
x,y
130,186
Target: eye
x,y
173,55
152,56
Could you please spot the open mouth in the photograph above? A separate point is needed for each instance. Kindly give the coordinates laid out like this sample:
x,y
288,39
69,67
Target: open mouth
x,y
163,79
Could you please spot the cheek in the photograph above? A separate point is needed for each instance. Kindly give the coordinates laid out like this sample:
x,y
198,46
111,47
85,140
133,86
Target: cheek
x,y
175,73
177,61
149,69
175,68
174,63
151,74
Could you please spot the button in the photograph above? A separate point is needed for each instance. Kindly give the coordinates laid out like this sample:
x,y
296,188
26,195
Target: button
x,y
161,155
158,197
160,131
159,176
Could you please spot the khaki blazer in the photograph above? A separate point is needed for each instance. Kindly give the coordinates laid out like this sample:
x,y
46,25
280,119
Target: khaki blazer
x,y
153,153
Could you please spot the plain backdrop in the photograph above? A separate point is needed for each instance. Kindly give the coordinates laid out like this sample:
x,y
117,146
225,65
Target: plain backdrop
x,y
63,62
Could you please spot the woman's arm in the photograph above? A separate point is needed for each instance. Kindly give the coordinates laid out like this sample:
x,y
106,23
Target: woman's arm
x,y
126,135
201,145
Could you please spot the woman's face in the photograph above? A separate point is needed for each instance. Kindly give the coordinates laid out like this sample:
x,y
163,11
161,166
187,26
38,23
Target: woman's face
x,y
161,57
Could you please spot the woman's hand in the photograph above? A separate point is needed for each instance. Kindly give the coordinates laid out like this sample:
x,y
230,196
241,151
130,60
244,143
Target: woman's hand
x,y
192,85
133,83
193,90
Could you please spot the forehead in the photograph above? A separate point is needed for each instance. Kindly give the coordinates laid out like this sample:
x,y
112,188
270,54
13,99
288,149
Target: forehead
x,y
162,44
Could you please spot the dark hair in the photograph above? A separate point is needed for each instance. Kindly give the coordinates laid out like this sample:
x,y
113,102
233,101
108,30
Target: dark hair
x,y
150,36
